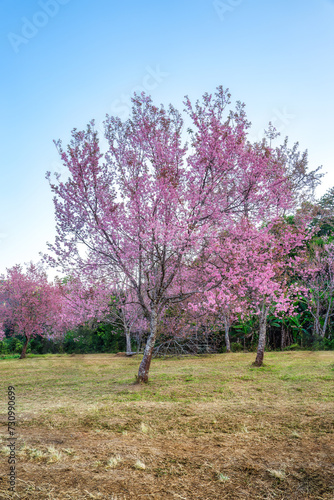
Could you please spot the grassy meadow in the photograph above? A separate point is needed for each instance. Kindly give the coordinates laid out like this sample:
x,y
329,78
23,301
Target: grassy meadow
x,y
206,427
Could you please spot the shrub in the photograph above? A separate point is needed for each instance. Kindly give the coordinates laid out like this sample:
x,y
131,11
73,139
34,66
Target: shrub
x,y
292,347
236,347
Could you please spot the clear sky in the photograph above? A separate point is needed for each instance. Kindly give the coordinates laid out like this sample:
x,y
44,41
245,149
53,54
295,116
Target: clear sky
x,y
64,62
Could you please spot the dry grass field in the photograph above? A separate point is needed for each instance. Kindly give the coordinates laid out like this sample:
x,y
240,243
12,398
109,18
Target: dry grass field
x,y
210,427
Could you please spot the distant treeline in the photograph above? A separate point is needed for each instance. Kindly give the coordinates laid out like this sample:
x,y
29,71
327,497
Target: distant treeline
x,y
289,333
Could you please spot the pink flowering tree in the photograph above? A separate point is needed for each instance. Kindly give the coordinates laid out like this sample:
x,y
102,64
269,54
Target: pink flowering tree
x,y
127,312
318,280
251,267
271,280
148,210
30,304
2,333
100,300
83,301
225,299
251,272
217,308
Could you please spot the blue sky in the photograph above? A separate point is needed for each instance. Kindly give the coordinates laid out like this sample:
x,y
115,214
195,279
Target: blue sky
x,y
65,62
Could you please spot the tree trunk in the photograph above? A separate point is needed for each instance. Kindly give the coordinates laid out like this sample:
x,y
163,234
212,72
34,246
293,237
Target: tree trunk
x,y
323,332
227,336
283,337
206,339
128,342
24,350
146,361
138,342
317,319
262,336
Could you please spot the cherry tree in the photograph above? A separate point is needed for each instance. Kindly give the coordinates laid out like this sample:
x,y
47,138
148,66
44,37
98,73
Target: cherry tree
x,y
127,312
271,283
225,296
83,301
252,272
219,309
101,300
30,304
149,208
252,263
318,280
